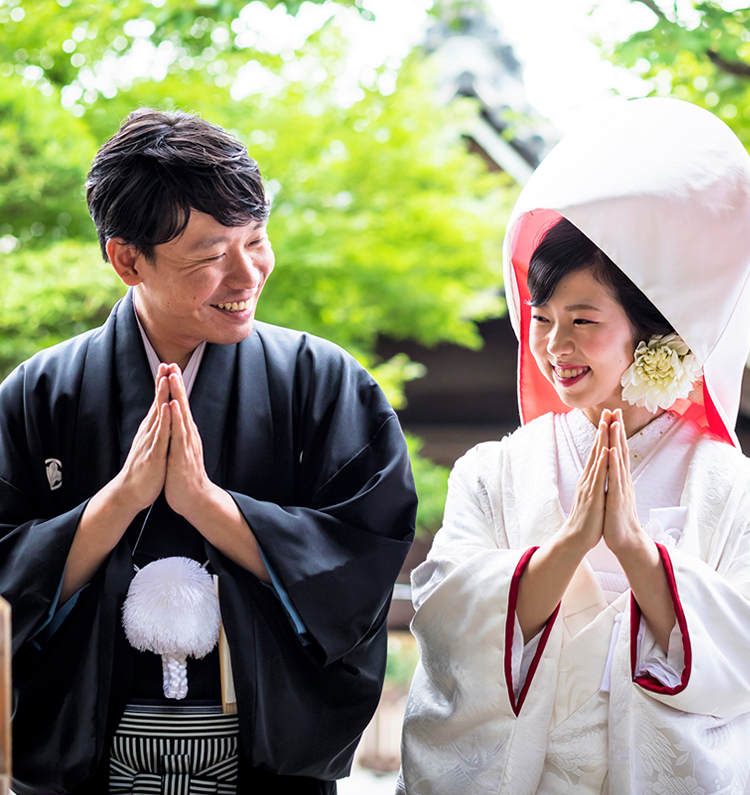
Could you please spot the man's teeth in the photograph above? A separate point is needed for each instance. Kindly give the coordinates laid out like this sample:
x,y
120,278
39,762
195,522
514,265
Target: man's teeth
x,y
570,372
235,306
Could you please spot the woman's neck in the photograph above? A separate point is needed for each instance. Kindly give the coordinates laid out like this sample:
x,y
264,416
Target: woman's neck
x,y
635,418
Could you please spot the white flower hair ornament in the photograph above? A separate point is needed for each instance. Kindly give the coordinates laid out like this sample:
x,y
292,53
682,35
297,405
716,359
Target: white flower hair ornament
x,y
172,609
663,371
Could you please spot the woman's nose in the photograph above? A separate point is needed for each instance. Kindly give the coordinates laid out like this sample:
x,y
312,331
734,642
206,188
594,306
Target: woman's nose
x,y
559,342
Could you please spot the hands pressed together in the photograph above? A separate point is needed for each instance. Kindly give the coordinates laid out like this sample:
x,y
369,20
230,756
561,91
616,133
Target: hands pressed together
x,y
604,504
167,452
604,507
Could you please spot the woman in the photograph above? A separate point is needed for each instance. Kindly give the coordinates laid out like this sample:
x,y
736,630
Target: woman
x,y
584,614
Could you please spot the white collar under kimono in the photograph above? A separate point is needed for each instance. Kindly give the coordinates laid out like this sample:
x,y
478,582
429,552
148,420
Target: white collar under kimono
x,y
191,371
659,453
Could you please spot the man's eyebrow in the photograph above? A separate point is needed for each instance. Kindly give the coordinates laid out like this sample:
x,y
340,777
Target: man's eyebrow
x,y
207,242
575,307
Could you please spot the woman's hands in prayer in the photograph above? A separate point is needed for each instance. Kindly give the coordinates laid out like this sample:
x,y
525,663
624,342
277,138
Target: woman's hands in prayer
x,y
585,524
603,507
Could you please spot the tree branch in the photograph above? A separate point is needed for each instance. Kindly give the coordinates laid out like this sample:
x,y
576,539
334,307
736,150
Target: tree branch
x,y
737,68
651,4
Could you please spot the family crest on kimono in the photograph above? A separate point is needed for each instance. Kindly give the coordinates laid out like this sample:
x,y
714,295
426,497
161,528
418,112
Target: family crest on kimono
x,y
181,440
583,617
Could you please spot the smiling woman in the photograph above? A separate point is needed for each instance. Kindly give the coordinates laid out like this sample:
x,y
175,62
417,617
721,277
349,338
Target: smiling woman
x,y
584,609
587,319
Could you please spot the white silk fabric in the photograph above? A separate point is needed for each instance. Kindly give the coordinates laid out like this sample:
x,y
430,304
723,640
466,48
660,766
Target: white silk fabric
x,y
461,735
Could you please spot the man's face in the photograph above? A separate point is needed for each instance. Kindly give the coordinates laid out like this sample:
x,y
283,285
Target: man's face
x,y
203,285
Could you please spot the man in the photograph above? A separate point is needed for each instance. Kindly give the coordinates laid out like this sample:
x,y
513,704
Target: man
x,y
284,471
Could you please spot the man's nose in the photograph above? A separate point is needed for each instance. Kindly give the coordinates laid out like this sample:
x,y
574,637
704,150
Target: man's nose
x,y
246,270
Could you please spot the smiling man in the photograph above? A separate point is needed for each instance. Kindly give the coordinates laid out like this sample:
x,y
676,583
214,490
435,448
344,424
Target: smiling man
x,y
183,429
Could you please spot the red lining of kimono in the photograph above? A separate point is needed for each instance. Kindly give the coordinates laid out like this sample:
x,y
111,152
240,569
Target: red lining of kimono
x,y
649,682
509,626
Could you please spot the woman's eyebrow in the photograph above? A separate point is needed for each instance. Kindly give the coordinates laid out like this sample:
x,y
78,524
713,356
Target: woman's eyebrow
x,y
574,307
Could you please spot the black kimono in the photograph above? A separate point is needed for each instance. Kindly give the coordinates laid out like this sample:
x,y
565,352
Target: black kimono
x,y
312,453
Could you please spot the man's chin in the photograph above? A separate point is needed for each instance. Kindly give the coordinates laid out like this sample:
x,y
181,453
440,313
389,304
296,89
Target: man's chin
x,y
232,336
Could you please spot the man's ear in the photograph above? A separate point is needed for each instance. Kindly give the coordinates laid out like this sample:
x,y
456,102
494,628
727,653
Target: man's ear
x,y
126,261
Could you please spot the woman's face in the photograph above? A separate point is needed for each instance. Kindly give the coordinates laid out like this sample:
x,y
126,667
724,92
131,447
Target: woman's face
x,y
582,342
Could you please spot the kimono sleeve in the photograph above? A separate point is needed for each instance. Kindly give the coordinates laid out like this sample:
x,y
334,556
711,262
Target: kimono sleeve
x,y
342,518
713,613
463,728
338,561
711,601
34,541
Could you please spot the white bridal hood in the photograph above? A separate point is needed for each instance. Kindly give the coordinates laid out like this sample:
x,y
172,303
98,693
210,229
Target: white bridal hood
x,y
663,188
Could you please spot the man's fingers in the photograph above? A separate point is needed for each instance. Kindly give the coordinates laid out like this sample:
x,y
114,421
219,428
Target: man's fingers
x,y
162,432
178,427
179,394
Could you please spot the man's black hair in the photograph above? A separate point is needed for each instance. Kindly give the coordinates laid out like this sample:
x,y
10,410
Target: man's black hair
x,y
158,166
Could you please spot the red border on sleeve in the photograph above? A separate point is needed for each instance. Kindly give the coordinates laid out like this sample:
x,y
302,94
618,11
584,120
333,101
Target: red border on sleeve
x,y
649,682
509,625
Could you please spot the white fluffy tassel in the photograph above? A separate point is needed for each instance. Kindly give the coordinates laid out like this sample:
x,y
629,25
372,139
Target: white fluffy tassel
x,y
172,609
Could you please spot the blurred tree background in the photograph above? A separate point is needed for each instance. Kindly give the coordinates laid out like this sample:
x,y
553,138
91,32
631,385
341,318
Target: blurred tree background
x,y
382,223
697,51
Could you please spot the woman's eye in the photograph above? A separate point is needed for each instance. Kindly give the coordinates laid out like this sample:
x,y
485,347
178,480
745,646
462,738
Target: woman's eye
x,y
539,318
579,321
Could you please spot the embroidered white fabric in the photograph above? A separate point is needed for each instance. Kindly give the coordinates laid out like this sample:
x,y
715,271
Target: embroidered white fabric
x,y
575,436
461,735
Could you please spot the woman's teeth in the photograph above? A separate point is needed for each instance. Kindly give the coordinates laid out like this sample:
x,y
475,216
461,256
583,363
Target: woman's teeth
x,y
235,306
570,372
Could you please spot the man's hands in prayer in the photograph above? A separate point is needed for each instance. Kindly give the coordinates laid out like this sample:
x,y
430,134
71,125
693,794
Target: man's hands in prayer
x,y
166,453
186,483
145,469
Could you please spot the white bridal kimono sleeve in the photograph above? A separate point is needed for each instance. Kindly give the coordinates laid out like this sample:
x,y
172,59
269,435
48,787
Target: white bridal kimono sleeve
x,y
465,732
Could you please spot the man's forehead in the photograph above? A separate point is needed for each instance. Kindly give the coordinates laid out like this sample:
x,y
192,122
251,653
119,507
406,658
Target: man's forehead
x,y
203,231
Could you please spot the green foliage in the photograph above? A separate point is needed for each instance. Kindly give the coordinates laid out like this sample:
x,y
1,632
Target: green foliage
x,y
704,59
382,223
51,295
432,489
60,37
403,656
44,157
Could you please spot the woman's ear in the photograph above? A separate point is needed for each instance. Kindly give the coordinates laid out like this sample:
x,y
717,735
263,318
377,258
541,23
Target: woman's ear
x,y
126,261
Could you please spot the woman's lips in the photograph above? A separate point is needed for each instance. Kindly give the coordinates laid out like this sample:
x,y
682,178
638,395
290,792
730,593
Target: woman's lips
x,y
567,376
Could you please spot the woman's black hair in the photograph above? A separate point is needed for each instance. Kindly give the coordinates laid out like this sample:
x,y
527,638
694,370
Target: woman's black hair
x,y
159,166
564,249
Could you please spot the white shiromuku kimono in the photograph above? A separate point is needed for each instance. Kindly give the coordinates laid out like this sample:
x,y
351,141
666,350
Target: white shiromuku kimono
x,y
595,706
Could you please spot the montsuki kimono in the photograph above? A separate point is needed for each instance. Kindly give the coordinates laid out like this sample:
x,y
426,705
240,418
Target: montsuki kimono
x,y
593,705
308,447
